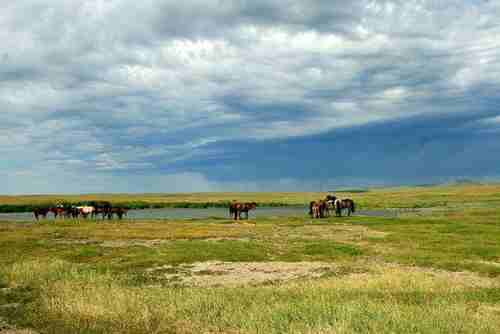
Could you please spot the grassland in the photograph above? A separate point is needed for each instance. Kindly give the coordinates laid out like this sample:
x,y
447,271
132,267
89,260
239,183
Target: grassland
x,y
472,195
432,273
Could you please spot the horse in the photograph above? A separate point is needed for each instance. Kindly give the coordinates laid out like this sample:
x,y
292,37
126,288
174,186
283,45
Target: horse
x,y
319,209
236,208
120,212
341,204
247,207
330,198
314,210
58,210
101,207
85,210
37,212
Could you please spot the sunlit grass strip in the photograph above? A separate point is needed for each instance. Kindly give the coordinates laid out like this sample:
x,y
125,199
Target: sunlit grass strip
x,y
402,197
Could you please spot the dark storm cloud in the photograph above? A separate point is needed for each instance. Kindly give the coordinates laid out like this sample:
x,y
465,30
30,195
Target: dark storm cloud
x,y
194,88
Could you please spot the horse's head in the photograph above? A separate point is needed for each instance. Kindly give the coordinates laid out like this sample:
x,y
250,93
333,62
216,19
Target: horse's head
x,y
331,198
252,205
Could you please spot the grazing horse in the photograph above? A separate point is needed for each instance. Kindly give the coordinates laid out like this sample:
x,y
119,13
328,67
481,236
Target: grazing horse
x,y
40,212
236,208
341,204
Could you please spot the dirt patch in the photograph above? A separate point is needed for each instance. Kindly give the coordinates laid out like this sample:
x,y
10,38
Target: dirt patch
x,y
360,274
215,273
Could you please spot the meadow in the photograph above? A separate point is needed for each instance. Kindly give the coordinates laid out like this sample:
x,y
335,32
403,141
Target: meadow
x,y
433,269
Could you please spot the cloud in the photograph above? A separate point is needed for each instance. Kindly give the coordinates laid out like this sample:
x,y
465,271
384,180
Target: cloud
x,y
105,87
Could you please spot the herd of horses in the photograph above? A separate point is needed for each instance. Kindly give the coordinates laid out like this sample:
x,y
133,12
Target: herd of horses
x,y
322,207
237,210
91,209
317,209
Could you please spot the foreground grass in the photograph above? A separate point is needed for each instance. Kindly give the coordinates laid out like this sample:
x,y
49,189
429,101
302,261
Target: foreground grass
x,y
76,299
431,274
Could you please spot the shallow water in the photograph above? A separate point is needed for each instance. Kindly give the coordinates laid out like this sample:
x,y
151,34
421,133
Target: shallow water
x,y
182,213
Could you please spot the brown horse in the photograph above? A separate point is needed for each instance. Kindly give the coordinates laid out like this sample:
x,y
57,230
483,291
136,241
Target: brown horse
x,y
58,211
118,211
319,209
341,204
314,210
237,208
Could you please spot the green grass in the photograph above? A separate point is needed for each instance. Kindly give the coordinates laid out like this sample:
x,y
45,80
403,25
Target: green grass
x,y
437,273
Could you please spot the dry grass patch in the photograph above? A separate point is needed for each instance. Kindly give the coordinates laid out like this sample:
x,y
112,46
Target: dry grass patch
x,y
337,232
402,277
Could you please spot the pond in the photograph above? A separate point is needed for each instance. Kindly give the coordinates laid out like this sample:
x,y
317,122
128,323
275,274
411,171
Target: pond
x,y
187,213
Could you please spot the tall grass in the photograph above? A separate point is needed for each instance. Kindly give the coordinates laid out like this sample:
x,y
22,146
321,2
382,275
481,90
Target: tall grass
x,y
77,299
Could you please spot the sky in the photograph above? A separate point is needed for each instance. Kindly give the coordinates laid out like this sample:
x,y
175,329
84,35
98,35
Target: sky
x,y
249,95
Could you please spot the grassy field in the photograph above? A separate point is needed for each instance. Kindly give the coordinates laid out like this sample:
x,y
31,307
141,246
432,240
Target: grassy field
x,y
437,272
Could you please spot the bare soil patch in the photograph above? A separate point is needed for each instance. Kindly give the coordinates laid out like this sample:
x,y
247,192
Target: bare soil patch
x,y
215,273
231,274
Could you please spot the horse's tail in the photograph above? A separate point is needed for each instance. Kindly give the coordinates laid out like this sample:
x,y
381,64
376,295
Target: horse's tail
x,y
353,206
311,208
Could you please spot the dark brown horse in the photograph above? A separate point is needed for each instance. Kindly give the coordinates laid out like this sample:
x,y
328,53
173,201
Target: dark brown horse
x,y
118,211
237,208
40,212
247,207
341,204
101,208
